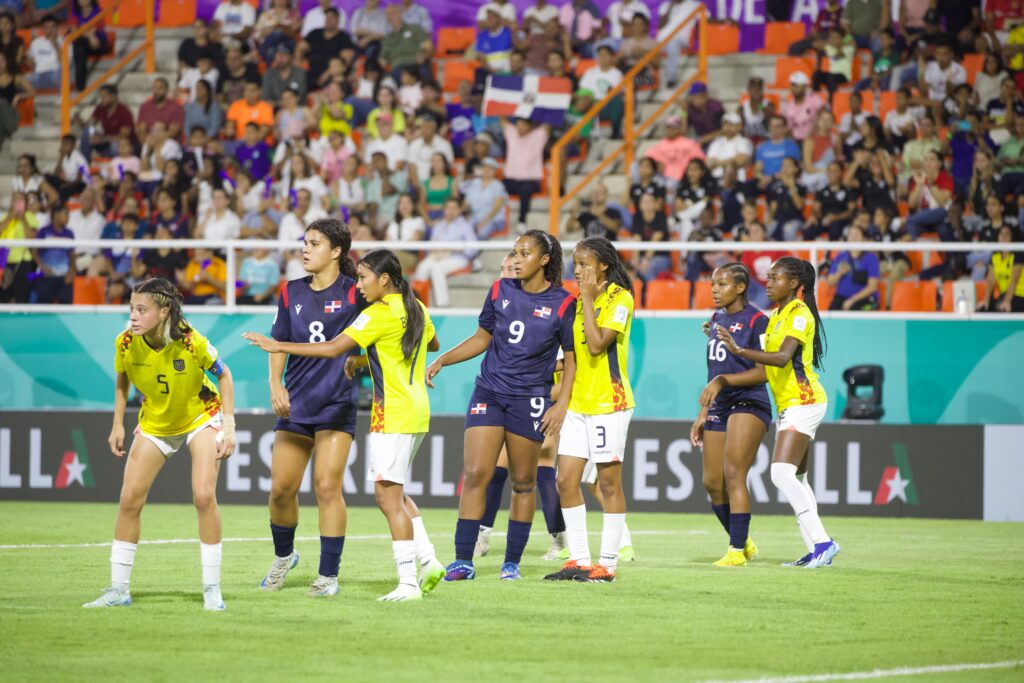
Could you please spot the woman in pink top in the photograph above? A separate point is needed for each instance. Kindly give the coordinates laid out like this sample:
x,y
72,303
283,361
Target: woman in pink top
x,y
524,162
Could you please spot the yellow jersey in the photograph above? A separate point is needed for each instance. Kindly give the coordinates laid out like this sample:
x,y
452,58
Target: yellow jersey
x,y
1002,269
400,403
602,383
175,388
796,383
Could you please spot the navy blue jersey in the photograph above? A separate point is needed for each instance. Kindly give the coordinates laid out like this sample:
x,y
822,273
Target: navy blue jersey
x,y
528,329
746,327
317,387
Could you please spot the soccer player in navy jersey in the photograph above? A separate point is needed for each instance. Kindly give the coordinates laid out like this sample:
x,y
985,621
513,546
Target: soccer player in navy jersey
x,y
523,324
732,428
315,405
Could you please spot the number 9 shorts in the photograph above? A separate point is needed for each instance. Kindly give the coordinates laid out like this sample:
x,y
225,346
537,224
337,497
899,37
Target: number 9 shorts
x,y
520,415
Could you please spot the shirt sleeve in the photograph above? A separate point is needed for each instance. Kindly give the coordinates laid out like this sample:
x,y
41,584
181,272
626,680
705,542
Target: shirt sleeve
x,y
281,330
429,331
120,346
800,325
206,354
760,325
366,329
565,327
616,315
486,319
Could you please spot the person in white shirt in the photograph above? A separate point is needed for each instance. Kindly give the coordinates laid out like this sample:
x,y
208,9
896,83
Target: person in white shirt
x,y
316,17
601,78
156,150
505,9
71,174
220,222
730,149
437,265
424,147
408,226
236,19
293,225
620,16
672,13
43,56
203,71
87,224
535,18
395,148
943,74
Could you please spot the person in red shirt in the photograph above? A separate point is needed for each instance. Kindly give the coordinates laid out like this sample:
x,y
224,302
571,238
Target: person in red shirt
x,y
163,109
758,263
675,151
929,197
999,14
110,121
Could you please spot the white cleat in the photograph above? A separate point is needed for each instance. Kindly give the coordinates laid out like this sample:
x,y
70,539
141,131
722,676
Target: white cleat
x,y
557,551
212,600
483,542
822,557
274,580
323,587
113,596
403,593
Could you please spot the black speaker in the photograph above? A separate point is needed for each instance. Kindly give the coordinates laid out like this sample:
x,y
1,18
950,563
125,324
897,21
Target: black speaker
x,y
864,392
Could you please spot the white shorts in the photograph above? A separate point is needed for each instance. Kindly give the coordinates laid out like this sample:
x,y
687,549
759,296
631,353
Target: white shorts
x,y
169,444
391,455
803,419
599,439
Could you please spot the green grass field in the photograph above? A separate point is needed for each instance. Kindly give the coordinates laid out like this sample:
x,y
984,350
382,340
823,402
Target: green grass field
x,y
904,593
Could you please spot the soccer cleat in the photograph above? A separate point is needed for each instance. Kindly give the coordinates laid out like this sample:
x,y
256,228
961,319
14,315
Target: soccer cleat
x,y
483,542
733,558
274,580
431,575
402,593
627,554
569,572
597,574
510,572
113,596
750,549
460,570
323,587
212,600
802,562
822,555
557,551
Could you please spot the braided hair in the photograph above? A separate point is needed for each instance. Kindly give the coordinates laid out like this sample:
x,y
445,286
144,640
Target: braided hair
x,y
804,273
740,275
551,247
337,233
166,295
605,253
384,261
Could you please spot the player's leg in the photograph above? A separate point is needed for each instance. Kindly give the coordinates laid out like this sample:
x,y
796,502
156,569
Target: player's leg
x,y
574,510
523,454
145,459
205,469
332,450
547,487
290,457
482,444
743,436
609,481
626,551
713,453
390,498
495,491
431,570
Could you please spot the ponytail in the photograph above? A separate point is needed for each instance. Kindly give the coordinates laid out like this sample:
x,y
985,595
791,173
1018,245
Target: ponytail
x,y
384,262
166,295
551,247
804,273
605,253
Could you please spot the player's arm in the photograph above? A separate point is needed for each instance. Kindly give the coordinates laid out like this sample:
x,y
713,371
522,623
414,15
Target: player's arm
x,y
226,384
279,399
116,440
338,346
776,359
470,347
597,338
1006,305
551,424
434,345
748,378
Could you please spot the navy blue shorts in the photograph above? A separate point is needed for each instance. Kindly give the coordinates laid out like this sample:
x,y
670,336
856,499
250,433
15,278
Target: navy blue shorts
x,y
718,416
516,414
336,420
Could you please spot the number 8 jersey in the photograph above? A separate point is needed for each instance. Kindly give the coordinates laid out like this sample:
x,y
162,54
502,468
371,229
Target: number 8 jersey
x,y
317,387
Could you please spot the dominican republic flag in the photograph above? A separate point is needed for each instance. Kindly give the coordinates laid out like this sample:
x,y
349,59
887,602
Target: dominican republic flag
x,y
478,409
735,327
332,306
542,99
542,312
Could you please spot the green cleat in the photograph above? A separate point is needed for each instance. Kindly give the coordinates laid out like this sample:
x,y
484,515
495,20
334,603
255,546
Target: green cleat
x,y
627,554
431,575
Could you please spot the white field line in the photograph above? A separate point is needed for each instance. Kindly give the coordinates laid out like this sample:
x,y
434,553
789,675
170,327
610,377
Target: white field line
x,y
267,539
881,673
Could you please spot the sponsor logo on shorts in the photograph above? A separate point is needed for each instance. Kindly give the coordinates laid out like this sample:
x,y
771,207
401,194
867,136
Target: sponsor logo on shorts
x,y
478,409
536,425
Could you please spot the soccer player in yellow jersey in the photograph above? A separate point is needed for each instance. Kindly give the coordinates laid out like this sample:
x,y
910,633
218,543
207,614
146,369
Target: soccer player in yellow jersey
x,y
793,348
595,426
168,361
396,332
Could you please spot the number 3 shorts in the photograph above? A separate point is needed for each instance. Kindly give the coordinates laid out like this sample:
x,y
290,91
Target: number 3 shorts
x,y
600,439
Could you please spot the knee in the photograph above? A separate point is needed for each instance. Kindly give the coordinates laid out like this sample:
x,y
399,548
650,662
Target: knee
x,y
131,502
281,495
387,503
328,489
566,484
609,488
524,484
204,499
713,482
475,477
782,473
735,477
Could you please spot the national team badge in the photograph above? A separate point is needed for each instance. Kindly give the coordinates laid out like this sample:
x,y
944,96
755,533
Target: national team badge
x,y
332,306
179,364
542,312
735,327
478,409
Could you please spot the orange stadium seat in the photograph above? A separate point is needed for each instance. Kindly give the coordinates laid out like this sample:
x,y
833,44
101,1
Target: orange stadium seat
x,y
913,296
723,39
668,295
27,112
886,103
89,290
582,65
174,13
824,295
454,40
779,35
571,286
638,293
702,295
421,288
455,72
130,13
841,102
972,65
786,66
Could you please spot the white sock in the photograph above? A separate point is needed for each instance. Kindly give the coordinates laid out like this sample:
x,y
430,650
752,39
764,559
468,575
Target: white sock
x,y
627,540
485,529
576,534
209,555
405,561
424,548
122,557
802,478
611,538
784,477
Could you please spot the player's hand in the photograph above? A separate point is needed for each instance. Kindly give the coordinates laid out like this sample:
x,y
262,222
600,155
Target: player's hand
x,y
697,430
588,283
353,363
265,343
710,393
432,371
225,442
116,440
726,338
1004,305
280,401
551,423
706,328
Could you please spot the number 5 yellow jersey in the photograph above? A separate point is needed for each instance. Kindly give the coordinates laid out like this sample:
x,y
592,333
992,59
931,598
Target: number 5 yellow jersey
x,y
173,382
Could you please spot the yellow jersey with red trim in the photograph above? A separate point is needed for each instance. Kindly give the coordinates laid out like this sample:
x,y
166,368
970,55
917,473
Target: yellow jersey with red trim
x,y
796,383
400,402
176,391
602,382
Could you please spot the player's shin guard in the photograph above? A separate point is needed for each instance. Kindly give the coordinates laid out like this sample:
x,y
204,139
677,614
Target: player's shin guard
x,y
784,478
466,532
122,557
424,548
576,534
547,486
330,554
494,491
210,556
611,539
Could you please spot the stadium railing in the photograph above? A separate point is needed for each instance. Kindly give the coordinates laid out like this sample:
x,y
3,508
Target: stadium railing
x,y
815,252
631,131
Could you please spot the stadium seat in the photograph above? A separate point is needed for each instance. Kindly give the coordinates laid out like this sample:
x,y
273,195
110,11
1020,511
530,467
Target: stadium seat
x,y
702,295
582,65
786,66
89,290
174,13
638,294
130,13
27,112
948,301
779,35
455,72
913,296
668,295
886,103
824,295
421,288
723,39
841,102
883,289
571,286
972,64
454,40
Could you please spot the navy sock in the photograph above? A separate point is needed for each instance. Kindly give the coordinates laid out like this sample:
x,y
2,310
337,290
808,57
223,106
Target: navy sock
x,y
284,539
466,532
494,493
515,542
549,501
739,527
722,512
330,554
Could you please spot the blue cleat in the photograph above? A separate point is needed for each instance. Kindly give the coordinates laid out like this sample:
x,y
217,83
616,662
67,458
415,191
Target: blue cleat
x,y
460,570
510,572
823,554
802,562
